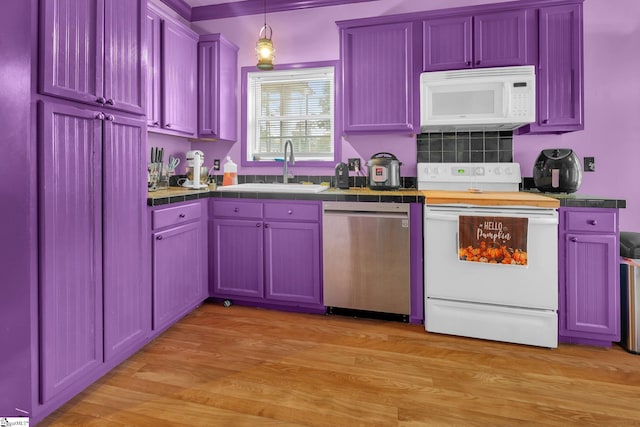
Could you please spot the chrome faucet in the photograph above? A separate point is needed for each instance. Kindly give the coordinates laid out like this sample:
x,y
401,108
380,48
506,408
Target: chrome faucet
x,y
292,159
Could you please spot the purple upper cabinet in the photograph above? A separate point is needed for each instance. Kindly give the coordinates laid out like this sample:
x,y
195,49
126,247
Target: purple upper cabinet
x,y
560,70
152,61
70,300
123,35
127,290
74,73
484,40
379,76
447,43
589,293
500,39
217,88
179,81
90,52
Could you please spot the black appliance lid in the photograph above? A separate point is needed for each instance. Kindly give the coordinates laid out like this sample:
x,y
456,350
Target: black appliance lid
x,y
556,153
382,158
630,244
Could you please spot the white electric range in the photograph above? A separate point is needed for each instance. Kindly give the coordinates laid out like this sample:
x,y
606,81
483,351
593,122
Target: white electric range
x,y
490,271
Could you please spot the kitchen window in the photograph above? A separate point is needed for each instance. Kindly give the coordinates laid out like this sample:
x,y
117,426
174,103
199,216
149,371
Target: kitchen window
x,y
290,103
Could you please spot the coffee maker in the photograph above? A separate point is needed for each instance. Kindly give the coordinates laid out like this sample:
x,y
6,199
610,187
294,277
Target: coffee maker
x,y
195,160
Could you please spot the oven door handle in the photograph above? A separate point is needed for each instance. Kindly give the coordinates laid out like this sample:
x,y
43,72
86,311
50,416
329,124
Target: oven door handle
x,y
543,220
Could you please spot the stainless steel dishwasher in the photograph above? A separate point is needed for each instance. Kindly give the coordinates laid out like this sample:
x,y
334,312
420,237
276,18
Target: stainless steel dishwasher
x,y
366,254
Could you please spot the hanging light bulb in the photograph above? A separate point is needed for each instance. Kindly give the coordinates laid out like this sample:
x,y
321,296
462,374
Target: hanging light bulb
x,y
264,48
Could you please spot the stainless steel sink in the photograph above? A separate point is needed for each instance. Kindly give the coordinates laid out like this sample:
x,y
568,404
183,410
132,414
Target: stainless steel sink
x,y
275,188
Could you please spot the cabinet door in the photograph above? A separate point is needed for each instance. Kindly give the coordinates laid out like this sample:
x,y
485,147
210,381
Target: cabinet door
x,y
447,43
560,87
152,54
180,63
378,78
591,286
127,291
217,81
70,230
292,262
177,272
500,39
71,49
236,268
123,29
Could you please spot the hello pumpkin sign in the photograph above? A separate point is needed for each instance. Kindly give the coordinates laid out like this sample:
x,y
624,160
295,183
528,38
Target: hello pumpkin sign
x,y
493,240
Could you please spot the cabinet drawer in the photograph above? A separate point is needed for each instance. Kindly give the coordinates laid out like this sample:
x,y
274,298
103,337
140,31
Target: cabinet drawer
x,y
591,221
235,209
176,215
293,211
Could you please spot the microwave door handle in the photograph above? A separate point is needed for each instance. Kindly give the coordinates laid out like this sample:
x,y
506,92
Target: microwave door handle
x,y
506,96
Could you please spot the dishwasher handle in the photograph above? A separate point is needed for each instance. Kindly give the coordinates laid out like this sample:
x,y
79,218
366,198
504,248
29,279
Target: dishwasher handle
x,y
360,214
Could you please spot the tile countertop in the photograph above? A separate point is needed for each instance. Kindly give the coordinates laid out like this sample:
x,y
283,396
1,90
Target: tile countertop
x,y
364,194
577,200
354,194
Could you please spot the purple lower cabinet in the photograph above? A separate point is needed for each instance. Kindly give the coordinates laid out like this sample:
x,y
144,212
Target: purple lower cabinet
x,y
179,248
292,261
70,253
127,290
589,292
236,266
266,253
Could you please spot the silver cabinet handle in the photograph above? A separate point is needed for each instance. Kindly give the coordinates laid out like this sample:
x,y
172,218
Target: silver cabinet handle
x,y
158,237
155,124
290,211
182,215
111,118
236,210
100,100
167,125
100,116
109,101
574,239
593,222
258,224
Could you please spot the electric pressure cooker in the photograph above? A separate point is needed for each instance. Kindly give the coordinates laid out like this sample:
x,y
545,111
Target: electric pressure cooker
x,y
557,170
384,172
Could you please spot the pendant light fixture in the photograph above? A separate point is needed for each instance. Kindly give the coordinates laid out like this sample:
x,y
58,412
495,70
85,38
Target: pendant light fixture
x,y
264,48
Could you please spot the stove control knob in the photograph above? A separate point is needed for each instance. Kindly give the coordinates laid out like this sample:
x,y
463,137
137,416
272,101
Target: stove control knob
x,y
427,171
508,171
498,170
479,171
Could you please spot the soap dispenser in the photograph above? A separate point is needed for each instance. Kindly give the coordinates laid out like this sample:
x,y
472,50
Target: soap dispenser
x,y
230,176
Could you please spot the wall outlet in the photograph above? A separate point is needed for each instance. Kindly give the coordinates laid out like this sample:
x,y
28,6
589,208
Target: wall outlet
x,y
589,164
354,165
216,164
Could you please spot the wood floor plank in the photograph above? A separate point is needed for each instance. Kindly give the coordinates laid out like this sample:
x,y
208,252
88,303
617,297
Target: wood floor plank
x,y
241,366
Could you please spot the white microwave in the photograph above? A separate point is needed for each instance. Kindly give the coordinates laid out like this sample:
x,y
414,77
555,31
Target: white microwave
x,y
501,98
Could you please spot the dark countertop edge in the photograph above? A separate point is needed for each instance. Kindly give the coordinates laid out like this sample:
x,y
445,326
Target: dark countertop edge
x,y
576,200
322,196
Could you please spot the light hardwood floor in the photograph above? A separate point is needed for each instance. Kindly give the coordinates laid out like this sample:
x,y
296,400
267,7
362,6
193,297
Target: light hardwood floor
x,y
242,366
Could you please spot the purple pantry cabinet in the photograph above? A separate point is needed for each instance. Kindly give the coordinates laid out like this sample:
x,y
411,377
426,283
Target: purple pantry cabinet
x,y
217,88
127,291
90,52
179,78
18,224
70,246
380,72
589,293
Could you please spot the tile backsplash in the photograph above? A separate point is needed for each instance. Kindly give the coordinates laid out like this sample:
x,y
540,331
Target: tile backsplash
x,y
469,147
